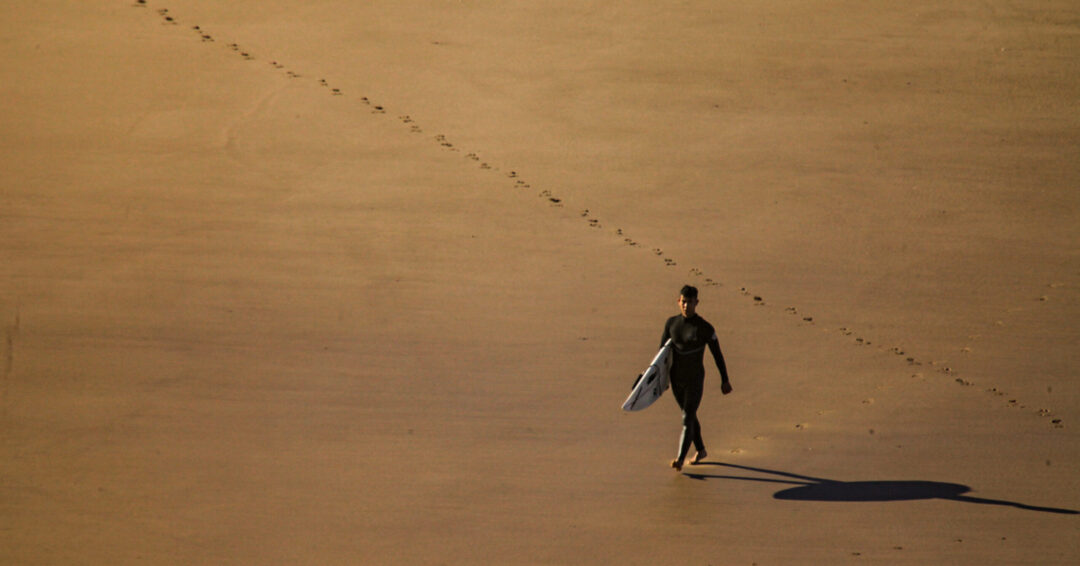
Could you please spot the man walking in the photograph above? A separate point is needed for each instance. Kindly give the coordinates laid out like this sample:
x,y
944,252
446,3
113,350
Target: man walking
x,y
690,335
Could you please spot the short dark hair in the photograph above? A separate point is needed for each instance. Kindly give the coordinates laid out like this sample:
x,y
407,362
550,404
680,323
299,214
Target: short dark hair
x,y
688,291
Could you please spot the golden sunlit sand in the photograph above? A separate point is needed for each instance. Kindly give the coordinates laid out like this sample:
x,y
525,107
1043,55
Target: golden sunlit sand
x,y
366,283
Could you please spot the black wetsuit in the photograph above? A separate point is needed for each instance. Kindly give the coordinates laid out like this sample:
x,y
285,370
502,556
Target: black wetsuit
x,y
690,338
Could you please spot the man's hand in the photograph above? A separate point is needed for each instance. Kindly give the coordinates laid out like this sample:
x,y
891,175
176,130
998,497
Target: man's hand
x,y
725,388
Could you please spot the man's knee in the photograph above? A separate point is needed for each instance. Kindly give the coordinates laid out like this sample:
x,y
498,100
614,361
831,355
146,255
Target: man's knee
x,y
689,418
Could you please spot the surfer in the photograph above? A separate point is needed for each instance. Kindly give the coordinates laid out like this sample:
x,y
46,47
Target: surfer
x,y
690,335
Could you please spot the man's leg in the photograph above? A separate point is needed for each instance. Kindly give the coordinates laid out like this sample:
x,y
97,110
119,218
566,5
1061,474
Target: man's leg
x,y
689,432
692,399
679,392
688,397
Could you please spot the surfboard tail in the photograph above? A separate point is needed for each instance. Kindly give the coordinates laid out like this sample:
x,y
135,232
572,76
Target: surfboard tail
x,y
652,383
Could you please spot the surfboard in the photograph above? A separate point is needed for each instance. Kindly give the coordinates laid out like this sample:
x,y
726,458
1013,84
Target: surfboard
x,y
653,383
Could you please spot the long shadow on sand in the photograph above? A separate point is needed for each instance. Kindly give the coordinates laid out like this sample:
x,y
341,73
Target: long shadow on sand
x,y
818,489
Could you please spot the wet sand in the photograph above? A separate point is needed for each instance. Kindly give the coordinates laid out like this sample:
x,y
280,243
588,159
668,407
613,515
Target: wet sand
x,y
318,283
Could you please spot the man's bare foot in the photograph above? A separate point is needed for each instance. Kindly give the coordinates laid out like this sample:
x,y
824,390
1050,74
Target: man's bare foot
x,y
677,464
699,457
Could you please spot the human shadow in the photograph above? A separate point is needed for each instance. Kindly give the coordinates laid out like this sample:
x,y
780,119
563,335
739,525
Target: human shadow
x,y
819,489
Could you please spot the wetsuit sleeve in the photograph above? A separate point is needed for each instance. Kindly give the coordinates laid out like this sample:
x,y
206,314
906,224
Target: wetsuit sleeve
x,y
714,347
666,335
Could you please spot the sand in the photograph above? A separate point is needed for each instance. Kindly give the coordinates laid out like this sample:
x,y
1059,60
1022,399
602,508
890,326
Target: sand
x,y
338,283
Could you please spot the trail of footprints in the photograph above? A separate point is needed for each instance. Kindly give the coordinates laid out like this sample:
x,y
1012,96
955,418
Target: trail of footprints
x,y
516,182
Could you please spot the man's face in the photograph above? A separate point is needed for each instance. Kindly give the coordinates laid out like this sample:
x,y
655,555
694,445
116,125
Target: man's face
x,y
687,306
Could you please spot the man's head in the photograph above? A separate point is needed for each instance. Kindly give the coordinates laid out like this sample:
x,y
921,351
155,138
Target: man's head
x,y
688,300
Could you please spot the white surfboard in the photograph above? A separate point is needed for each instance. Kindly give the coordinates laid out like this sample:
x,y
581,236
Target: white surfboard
x,y
653,383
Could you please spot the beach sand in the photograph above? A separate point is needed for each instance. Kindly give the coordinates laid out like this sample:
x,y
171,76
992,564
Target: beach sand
x,y
331,283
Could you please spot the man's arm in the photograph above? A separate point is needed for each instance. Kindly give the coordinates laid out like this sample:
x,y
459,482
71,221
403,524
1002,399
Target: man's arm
x,y
666,335
714,347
